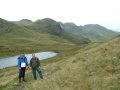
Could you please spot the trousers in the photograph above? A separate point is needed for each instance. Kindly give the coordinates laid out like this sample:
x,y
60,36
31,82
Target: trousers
x,y
39,72
22,73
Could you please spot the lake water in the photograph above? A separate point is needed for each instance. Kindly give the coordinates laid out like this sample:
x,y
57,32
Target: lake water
x,y
12,61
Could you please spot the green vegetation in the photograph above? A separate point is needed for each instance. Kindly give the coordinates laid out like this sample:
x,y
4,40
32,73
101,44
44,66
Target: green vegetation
x,y
9,76
52,27
15,38
77,39
48,25
25,20
94,67
86,67
94,32
79,65
29,36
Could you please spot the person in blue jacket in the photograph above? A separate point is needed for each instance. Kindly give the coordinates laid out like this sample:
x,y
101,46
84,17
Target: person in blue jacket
x,y
22,64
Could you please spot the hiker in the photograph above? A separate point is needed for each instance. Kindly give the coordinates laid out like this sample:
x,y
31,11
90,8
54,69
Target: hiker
x,y
35,66
22,63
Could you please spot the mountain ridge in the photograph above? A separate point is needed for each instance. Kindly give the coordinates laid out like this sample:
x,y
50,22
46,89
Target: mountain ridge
x,y
94,32
13,33
53,27
69,32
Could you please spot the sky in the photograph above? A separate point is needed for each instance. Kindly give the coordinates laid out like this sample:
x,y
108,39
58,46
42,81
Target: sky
x,y
80,12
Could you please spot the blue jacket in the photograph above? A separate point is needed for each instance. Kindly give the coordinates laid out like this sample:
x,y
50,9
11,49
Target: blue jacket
x,y
22,59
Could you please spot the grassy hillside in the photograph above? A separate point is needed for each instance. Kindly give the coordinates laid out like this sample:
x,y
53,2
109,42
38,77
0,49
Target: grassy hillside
x,y
87,67
95,67
18,38
77,39
15,34
52,27
98,33
94,32
48,25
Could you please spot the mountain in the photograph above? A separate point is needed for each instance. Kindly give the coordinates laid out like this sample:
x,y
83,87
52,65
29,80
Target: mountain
x,y
17,36
94,32
25,20
48,25
42,34
53,27
93,67
50,32
72,32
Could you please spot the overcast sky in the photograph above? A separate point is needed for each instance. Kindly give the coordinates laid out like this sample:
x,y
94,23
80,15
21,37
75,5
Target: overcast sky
x,y
80,12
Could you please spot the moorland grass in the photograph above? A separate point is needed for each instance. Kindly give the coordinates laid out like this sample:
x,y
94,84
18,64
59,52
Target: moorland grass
x,y
88,67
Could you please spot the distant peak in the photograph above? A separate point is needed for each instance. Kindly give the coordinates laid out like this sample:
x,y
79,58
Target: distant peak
x,y
2,19
70,23
45,19
25,20
94,25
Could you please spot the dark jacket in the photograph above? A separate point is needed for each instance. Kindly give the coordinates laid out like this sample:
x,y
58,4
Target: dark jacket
x,y
34,62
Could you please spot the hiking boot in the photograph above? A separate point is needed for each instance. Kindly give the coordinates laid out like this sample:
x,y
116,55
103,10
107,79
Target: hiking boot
x,y
35,78
41,77
24,80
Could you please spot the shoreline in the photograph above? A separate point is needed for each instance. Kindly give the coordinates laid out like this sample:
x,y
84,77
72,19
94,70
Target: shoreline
x,y
13,60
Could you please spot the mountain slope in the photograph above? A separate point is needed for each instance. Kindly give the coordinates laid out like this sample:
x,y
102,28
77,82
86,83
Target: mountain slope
x,y
100,32
52,27
25,20
16,36
48,25
94,67
94,32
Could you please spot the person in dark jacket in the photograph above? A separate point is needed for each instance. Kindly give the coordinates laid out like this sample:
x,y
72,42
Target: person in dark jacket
x,y
35,66
22,64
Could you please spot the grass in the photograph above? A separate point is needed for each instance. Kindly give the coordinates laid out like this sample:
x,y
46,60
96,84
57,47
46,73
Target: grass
x,y
94,67
94,32
89,67
8,76
55,48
